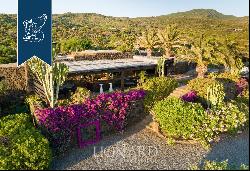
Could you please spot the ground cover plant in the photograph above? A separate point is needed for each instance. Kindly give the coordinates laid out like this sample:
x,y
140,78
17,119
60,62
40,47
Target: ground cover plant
x,y
223,165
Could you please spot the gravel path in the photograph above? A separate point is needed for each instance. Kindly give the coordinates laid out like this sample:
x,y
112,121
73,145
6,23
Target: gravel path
x,y
139,148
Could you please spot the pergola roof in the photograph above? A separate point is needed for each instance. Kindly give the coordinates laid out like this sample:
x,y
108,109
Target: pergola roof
x,y
117,65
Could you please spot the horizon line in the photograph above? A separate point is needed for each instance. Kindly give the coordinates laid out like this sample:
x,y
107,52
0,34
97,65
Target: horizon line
x,y
60,13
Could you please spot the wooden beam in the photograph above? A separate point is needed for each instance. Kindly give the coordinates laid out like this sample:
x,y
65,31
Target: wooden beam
x,y
122,81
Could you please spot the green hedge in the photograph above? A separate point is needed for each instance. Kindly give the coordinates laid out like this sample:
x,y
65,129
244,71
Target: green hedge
x,y
157,89
22,147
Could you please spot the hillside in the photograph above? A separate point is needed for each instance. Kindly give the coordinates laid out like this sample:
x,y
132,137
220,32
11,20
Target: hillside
x,y
105,32
201,13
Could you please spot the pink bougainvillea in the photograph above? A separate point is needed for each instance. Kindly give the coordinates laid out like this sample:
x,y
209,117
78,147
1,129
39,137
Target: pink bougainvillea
x,y
61,122
241,85
190,96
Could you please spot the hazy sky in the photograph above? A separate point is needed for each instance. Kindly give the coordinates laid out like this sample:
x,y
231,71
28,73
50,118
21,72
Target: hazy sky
x,y
136,8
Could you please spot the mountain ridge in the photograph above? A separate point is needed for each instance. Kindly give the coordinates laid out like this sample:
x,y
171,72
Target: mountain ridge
x,y
194,13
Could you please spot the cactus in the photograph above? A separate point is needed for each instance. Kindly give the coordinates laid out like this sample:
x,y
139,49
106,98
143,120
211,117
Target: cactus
x,y
59,76
161,67
142,78
51,78
215,95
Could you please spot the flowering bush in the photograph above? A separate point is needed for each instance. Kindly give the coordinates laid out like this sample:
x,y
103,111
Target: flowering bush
x,y
114,106
60,122
241,85
180,119
190,96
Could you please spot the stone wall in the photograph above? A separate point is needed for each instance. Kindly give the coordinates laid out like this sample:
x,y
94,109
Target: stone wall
x,y
13,76
96,55
181,67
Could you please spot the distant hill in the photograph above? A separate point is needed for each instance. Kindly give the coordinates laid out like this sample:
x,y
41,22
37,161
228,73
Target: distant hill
x,y
71,30
201,13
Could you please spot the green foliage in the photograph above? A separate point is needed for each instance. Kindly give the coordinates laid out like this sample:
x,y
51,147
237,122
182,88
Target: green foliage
x,y
179,119
228,54
161,66
149,40
225,76
169,39
50,77
142,78
3,87
80,95
215,95
157,89
214,165
75,44
106,32
33,101
200,85
22,147
229,117
244,97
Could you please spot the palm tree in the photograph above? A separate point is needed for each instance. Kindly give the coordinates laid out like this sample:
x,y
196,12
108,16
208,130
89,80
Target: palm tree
x,y
169,38
228,54
149,40
201,52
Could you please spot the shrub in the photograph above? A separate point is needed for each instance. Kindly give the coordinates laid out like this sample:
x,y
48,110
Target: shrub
x,y
225,75
229,82
190,96
60,123
241,86
80,95
223,165
180,119
157,89
229,118
242,102
22,147
243,97
200,85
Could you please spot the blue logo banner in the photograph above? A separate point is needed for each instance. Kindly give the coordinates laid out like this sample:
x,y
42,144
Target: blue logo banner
x,y
34,30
